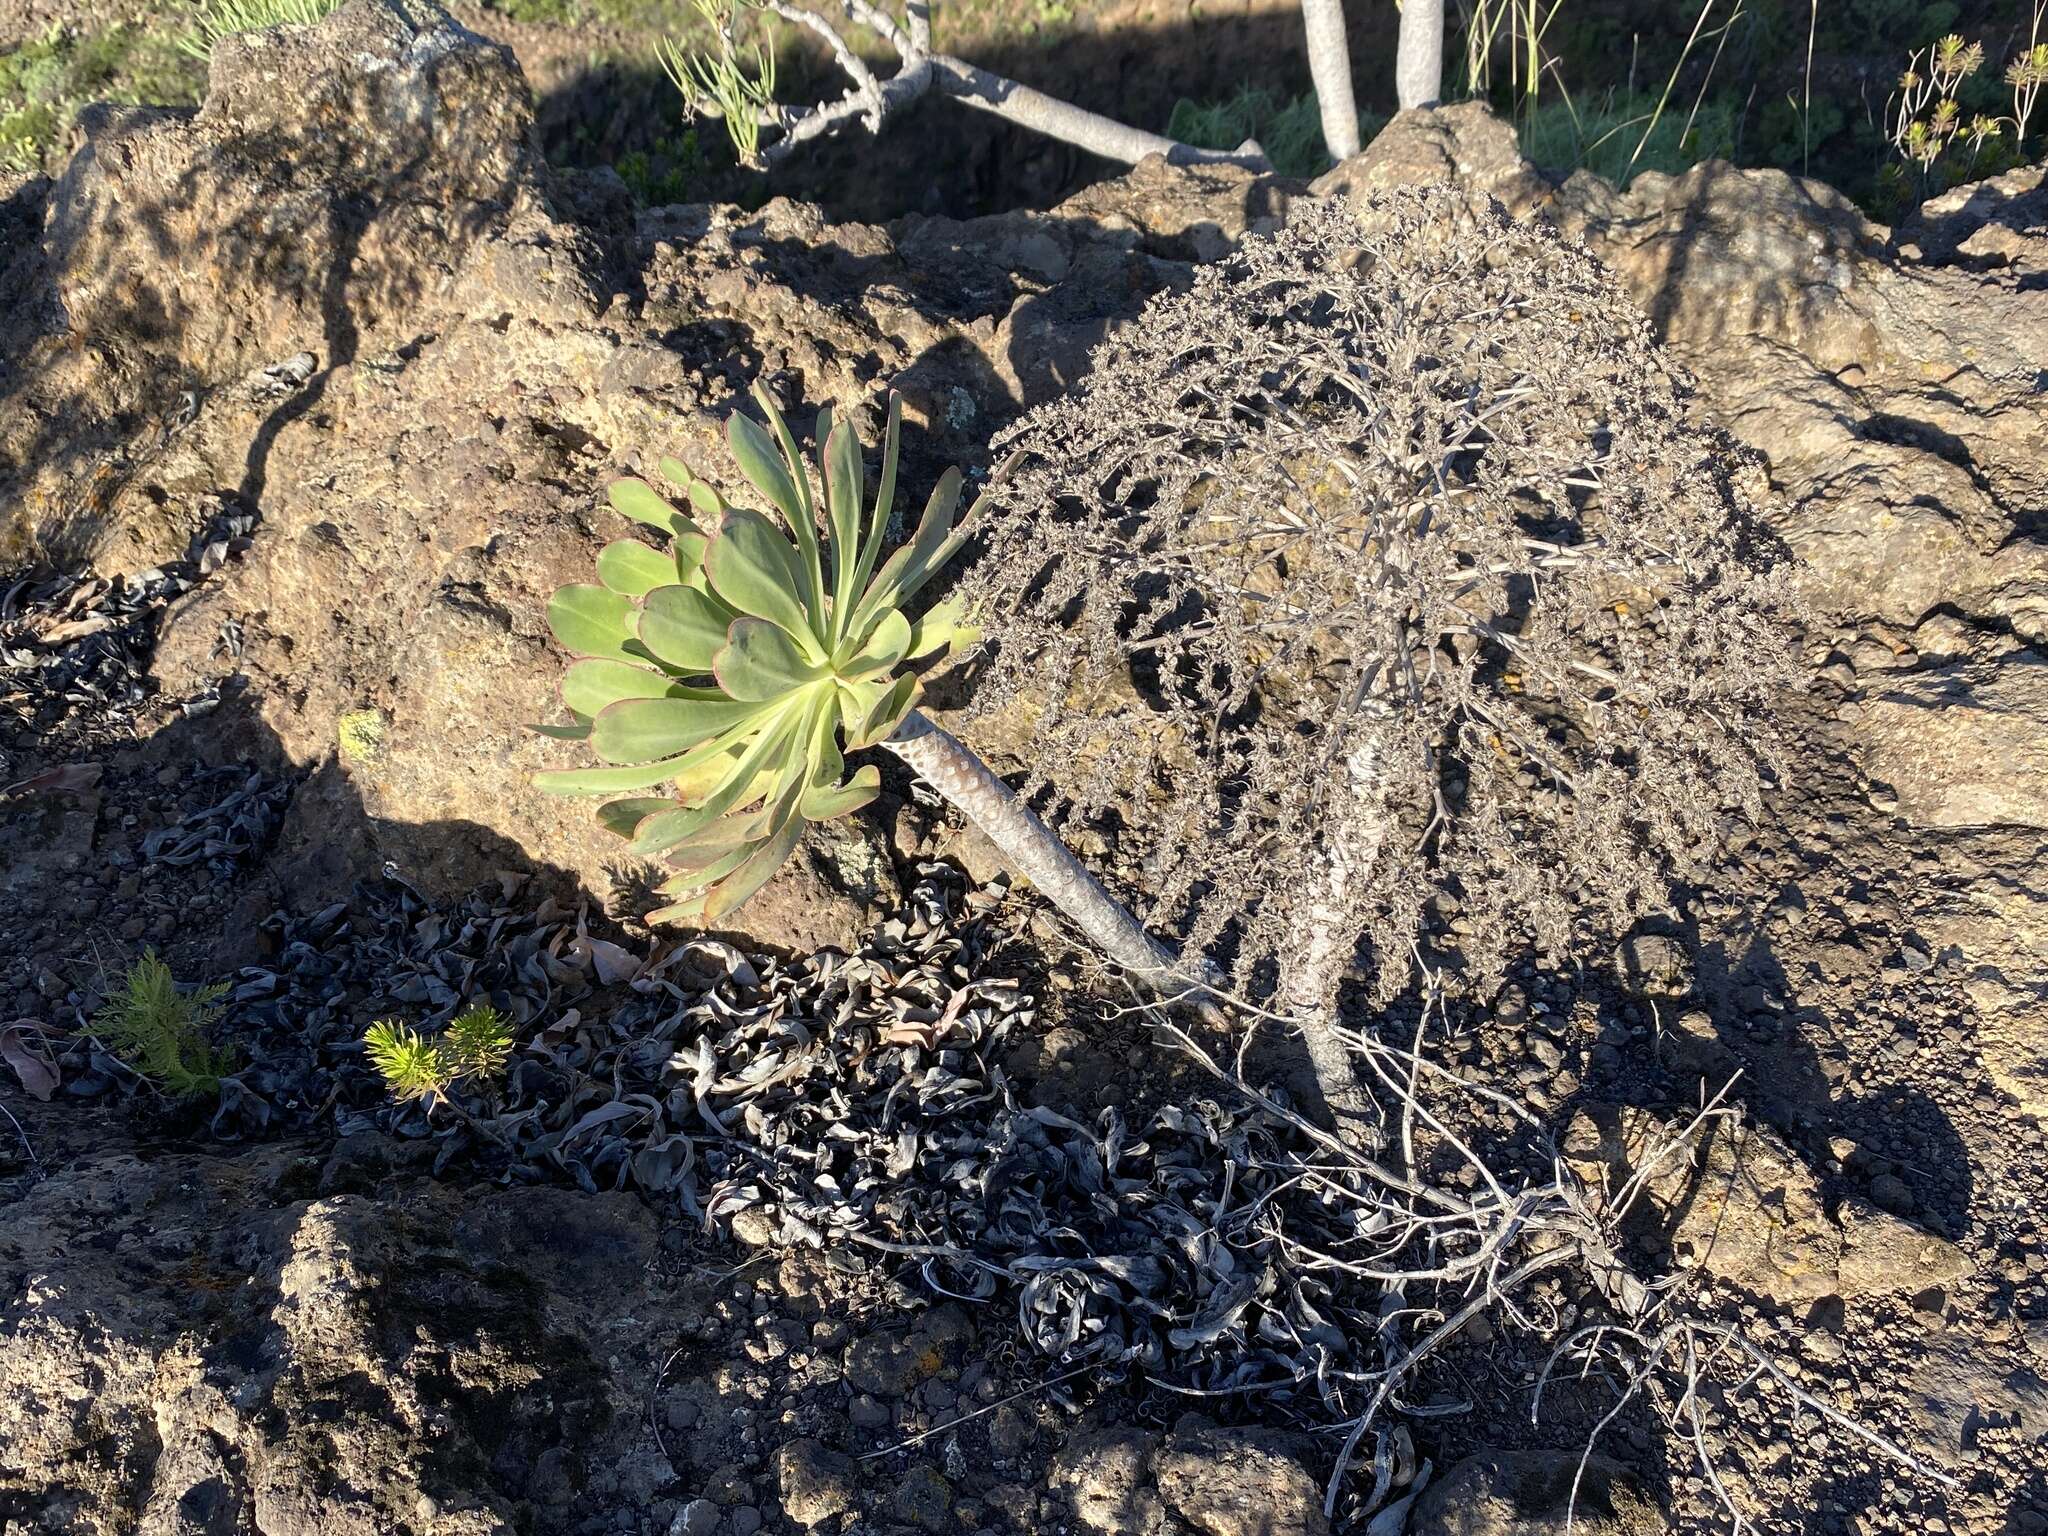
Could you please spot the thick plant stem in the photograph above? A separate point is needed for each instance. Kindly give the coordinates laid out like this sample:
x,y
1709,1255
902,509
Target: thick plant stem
x,y
1329,67
1419,54
1324,946
1062,120
1033,851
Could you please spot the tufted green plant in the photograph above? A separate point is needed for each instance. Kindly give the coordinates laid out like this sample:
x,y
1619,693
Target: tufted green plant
x,y
734,671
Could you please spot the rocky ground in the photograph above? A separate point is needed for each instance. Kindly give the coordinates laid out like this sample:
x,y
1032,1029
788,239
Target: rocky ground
x,y
305,405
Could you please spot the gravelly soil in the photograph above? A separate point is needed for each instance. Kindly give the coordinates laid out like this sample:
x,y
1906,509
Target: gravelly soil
x,y
1800,967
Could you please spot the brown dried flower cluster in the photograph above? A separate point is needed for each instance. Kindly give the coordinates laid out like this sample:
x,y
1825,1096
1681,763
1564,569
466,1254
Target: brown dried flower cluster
x,y
1385,564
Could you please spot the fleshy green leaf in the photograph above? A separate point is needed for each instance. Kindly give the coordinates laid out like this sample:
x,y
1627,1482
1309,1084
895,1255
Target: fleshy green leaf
x,y
676,473
761,662
610,781
641,730
885,503
592,621
768,752
688,553
754,873
824,802
941,629
687,912
683,627
620,817
754,567
705,498
888,712
578,730
839,462
916,562
629,567
805,525
883,649
590,686
635,498
760,460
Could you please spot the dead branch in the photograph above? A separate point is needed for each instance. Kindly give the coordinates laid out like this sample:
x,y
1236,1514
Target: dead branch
x,y
730,85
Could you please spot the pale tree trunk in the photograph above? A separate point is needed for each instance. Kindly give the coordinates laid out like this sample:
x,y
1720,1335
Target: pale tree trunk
x,y
1329,66
1032,850
1325,938
1062,120
1419,56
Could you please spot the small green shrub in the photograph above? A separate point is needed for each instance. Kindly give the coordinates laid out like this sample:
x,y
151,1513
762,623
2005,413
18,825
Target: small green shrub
x,y
1290,132
223,18
45,80
163,1033
669,172
476,1043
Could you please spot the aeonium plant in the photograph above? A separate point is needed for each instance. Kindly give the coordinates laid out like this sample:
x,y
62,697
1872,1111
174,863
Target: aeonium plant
x,y
723,677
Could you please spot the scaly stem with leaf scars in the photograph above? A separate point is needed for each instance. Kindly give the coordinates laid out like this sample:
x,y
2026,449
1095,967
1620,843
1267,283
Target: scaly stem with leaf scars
x,y
1033,851
1324,944
1329,66
1419,54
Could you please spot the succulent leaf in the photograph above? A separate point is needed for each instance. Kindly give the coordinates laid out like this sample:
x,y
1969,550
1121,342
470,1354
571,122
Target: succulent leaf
x,y
590,686
942,628
636,499
760,460
805,525
724,671
592,621
611,781
577,730
705,498
839,462
642,730
827,802
620,817
917,562
632,569
885,504
882,650
767,752
888,711
756,872
760,662
687,551
755,569
683,627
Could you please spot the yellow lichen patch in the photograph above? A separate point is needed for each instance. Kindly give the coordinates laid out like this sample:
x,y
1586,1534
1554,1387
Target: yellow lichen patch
x,y
359,735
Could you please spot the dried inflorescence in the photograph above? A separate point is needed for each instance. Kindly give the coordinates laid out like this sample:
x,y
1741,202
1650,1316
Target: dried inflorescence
x,y
1383,564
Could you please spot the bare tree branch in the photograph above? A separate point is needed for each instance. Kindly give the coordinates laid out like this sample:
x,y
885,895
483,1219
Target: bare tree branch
x,y
873,100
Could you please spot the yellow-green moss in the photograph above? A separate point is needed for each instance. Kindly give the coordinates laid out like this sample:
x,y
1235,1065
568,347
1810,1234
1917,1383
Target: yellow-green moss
x,y
360,734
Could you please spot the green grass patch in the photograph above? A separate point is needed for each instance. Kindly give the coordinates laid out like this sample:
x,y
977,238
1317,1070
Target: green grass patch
x,y
44,83
1289,130
217,19
1620,136
672,170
